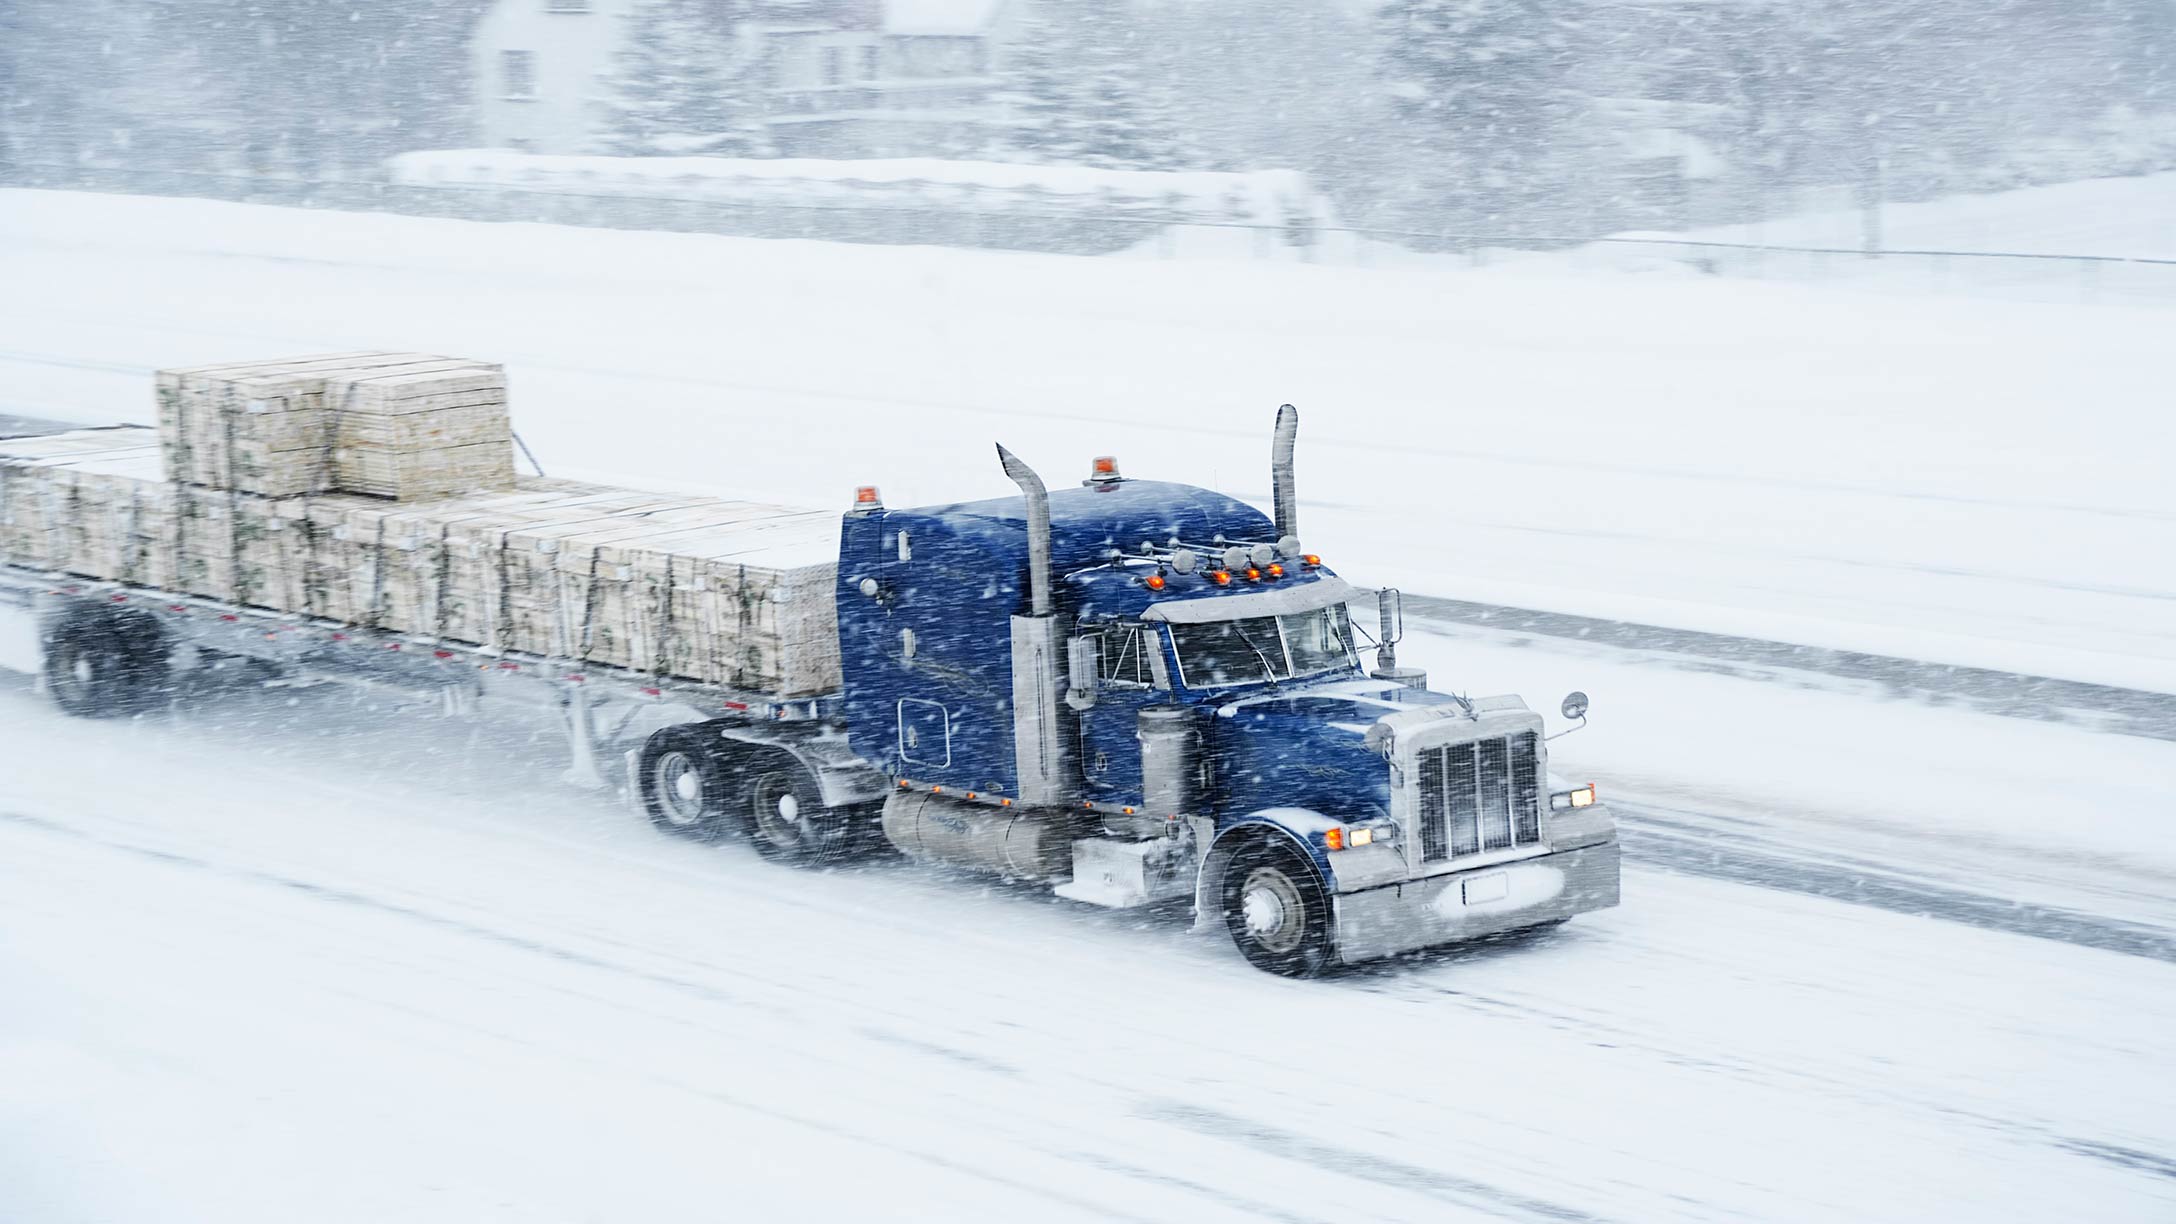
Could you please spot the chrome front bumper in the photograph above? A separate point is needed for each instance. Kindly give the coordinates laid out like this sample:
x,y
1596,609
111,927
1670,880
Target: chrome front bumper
x,y
1465,905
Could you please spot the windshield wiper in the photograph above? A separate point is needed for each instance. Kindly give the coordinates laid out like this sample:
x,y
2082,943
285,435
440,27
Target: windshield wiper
x,y
1268,673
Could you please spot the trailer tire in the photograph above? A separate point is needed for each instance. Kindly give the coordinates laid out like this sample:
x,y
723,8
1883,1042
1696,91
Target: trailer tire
x,y
1277,911
683,784
785,816
106,664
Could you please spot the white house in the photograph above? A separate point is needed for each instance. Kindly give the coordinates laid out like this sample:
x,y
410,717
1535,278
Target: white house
x,y
844,78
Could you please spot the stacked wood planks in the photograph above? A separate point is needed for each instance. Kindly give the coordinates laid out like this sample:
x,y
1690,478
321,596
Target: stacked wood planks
x,y
409,426
698,588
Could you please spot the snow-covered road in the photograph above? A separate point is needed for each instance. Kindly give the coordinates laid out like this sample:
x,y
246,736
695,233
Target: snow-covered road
x,y
272,958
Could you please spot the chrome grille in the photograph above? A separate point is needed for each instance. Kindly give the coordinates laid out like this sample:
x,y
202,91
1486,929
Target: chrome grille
x,y
1478,797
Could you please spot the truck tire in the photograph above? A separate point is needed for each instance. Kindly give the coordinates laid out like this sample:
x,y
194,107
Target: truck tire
x,y
684,784
784,814
106,664
1277,911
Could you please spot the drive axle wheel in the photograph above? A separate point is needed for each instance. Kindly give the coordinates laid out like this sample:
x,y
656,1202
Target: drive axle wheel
x,y
1277,912
787,819
683,789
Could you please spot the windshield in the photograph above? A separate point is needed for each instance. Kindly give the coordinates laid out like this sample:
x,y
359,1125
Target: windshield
x,y
1252,649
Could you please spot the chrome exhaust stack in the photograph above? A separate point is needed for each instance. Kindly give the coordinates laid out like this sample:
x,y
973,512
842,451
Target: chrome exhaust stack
x,y
1042,735
1287,505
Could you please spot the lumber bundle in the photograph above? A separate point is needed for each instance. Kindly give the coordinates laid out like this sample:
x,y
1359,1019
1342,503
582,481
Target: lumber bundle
x,y
697,588
406,426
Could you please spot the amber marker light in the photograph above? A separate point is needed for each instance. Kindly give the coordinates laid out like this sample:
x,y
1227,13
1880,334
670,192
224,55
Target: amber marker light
x,y
1276,571
1154,582
1221,577
1334,839
1310,560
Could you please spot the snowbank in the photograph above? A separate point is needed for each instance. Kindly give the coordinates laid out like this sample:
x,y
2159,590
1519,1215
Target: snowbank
x,y
1255,197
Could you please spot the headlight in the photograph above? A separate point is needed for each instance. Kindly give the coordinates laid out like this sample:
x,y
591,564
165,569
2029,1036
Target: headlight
x,y
1345,837
1576,798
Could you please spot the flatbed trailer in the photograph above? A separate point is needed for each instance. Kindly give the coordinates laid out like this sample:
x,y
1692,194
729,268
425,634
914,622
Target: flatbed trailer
x,y
604,712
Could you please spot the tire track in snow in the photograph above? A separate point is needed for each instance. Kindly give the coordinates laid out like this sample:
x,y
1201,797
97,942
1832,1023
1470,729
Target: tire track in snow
x,y
1372,1166
2097,707
1650,836
1408,1178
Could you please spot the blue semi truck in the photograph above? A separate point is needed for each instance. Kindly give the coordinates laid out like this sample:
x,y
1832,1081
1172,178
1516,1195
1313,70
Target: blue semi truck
x,y
1150,693
1143,694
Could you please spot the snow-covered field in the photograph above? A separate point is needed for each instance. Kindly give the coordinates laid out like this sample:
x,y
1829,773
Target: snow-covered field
x,y
1947,246
274,962
1976,482
2121,218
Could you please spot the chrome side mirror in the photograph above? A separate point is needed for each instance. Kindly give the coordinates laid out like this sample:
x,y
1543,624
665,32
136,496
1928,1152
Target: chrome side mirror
x,y
1084,661
1575,705
1390,619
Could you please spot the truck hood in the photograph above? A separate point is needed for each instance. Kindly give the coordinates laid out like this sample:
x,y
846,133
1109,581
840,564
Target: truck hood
x,y
1305,746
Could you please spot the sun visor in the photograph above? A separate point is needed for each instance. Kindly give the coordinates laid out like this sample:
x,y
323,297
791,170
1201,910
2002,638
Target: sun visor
x,y
1326,591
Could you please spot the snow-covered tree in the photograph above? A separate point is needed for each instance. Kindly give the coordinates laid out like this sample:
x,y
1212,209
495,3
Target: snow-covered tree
x,y
1485,88
683,85
1077,90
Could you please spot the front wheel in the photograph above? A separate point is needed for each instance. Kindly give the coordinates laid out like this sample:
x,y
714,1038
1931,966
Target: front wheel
x,y
1277,911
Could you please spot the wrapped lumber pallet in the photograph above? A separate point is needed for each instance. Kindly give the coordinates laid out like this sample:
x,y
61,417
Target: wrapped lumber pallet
x,y
432,429
407,426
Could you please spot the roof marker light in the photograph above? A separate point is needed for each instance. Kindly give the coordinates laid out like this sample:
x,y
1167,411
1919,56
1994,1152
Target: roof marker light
x,y
1310,560
1154,582
1253,574
866,499
1220,577
1276,571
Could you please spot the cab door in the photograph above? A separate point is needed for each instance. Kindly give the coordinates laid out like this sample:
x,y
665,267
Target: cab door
x,y
1131,676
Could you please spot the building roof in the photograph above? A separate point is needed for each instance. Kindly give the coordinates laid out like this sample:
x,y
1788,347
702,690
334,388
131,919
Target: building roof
x,y
956,17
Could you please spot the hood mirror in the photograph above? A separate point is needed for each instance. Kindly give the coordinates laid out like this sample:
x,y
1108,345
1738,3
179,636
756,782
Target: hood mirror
x,y
1378,739
1575,709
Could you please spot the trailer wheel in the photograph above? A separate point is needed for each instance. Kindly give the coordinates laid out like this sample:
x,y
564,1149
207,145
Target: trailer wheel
x,y
1277,912
683,785
786,816
100,664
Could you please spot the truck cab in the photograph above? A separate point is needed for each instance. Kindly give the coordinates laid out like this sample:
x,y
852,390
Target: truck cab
x,y
1149,692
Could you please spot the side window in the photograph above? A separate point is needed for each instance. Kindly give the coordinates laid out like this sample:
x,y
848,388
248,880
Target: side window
x,y
1126,656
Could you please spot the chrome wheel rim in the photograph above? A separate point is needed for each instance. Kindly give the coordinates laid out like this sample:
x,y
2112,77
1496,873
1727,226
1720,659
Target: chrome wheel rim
x,y
1272,910
778,812
679,787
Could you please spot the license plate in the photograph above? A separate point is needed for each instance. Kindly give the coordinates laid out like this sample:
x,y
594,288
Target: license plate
x,y
1494,886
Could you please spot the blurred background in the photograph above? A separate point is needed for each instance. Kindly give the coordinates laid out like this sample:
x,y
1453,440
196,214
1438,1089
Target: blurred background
x,y
1091,125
